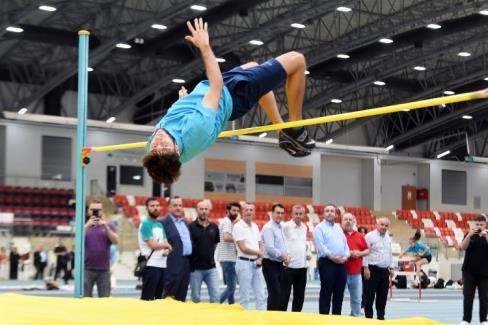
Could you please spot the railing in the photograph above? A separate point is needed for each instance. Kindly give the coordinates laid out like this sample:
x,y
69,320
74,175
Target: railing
x,y
33,181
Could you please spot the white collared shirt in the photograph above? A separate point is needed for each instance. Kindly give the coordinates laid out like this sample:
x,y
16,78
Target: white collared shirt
x,y
296,239
380,253
249,234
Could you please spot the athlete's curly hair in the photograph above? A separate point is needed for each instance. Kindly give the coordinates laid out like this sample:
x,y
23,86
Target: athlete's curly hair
x,y
164,168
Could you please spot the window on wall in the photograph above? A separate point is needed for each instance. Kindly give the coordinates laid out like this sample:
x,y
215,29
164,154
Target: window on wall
x,y
283,185
131,175
454,187
56,158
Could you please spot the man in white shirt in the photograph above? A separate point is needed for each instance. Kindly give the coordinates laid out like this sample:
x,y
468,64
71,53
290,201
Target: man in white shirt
x,y
299,252
249,258
378,267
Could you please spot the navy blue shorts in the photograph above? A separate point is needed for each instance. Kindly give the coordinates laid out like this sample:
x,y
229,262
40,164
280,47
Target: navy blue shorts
x,y
246,86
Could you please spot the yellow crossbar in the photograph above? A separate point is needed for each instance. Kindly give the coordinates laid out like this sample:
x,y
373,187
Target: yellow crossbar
x,y
328,119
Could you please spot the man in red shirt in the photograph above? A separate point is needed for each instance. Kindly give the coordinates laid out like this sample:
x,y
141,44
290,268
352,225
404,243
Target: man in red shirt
x,y
358,248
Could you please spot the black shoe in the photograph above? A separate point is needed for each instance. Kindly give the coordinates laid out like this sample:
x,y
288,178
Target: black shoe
x,y
293,150
298,136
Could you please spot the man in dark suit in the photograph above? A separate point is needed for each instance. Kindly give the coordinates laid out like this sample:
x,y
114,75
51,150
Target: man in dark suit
x,y
40,262
177,275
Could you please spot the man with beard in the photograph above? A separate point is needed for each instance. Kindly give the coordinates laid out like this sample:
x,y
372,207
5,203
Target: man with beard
x,y
227,254
154,247
205,237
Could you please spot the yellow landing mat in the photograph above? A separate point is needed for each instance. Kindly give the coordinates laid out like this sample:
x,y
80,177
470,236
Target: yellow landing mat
x,y
20,309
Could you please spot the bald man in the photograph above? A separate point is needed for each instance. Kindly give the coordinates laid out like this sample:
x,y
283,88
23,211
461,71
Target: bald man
x,y
205,237
378,267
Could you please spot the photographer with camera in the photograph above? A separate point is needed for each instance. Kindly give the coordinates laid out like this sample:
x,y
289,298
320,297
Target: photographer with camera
x,y
99,235
475,269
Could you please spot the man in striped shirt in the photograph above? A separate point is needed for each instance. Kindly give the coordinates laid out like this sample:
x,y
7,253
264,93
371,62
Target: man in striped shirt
x,y
227,254
378,267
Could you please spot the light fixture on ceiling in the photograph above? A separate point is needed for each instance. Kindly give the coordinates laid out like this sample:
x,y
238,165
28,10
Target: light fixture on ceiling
x,y
464,54
467,117
220,60
159,26
22,111
443,154
256,42
448,92
379,83
343,9
198,7
178,81
298,25
307,72
14,29
124,46
262,135
419,68
406,110
336,100
110,120
434,26
343,56
89,69
389,147
329,141
47,8
484,12
386,40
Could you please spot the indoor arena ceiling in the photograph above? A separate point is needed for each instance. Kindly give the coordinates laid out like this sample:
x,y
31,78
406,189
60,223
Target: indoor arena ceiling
x,y
427,47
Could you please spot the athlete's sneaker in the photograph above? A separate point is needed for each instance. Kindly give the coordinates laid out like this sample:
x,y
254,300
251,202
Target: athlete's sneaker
x,y
293,150
298,137
465,323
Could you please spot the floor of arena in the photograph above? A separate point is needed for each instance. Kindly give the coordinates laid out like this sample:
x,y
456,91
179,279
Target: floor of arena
x,y
444,306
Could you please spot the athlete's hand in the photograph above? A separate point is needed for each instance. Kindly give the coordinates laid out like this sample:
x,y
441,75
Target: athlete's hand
x,y
199,33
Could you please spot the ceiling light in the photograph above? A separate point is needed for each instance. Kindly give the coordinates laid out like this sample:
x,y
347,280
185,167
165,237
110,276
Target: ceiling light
x,y
22,111
336,101
178,81
198,8
445,153
220,60
159,26
379,83
344,9
389,147
448,92
256,42
343,56
467,117
14,29
123,46
89,69
262,135
434,26
111,119
298,25
406,110
486,79
443,105
386,40
484,12
419,68
464,54
329,141
47,8
307,72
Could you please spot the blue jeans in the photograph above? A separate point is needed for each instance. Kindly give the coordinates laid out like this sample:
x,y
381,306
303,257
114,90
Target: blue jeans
x,y
211,279
230,277
355,287
251,277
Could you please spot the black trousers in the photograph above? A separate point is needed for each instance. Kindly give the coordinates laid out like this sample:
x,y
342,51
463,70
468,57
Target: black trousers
x,y
296,278
60,267
333,279
152,283
40,271
176,281
376,287
470,282
273,275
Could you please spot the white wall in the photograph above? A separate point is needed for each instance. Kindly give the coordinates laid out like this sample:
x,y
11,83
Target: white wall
x,y
341,180
394,174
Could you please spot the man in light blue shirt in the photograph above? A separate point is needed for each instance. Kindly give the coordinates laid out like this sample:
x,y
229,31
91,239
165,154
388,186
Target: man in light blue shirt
x,y
275,257
333,252
194,121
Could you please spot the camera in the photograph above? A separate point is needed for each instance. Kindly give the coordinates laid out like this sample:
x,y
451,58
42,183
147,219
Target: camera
x,y
95,213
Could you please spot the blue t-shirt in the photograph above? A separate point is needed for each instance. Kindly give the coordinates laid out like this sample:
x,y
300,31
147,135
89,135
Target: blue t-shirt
x,y
193,126
418,248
